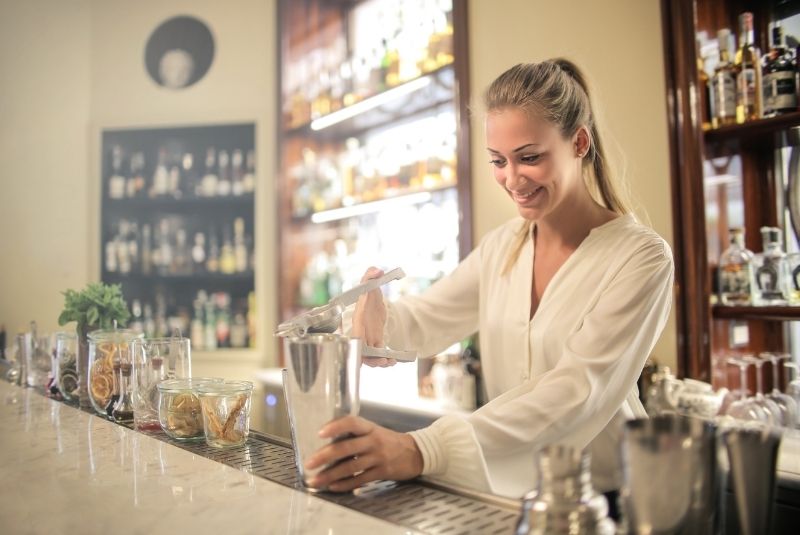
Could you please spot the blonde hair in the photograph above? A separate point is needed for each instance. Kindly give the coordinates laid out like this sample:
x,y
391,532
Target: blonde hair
x,y
556,90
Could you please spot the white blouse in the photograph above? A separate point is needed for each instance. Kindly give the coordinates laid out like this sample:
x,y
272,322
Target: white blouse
x,y
567,376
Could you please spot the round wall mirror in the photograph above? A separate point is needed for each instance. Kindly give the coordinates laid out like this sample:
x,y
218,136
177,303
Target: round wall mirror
x,y
179,52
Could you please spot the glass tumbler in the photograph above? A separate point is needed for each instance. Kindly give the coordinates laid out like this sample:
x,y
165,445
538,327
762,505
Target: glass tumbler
x,y
65,365
156,360
226,412
38,360
179,412
107,349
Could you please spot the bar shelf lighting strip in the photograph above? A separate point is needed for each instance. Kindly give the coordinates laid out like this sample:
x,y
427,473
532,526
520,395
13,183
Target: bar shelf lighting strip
x,y
370,103
370,207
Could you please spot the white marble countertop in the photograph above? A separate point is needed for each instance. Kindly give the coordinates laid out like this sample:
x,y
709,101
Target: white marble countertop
x,y
66,471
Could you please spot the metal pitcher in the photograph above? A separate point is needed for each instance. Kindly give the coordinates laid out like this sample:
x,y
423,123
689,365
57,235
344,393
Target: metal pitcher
x,y
672,480
320,384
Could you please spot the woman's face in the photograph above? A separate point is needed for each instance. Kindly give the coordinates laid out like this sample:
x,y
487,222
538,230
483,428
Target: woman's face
x,y
532,161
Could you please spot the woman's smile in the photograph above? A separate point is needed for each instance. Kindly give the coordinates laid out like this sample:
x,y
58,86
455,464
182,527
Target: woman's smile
x,y
528,196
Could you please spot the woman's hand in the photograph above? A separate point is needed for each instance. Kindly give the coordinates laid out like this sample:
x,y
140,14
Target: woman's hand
x,y
369,320
373,452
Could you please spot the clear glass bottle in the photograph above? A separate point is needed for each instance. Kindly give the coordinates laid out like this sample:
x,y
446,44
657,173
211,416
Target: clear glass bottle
x,y
723,84
122,411
748,72
736,271
771,269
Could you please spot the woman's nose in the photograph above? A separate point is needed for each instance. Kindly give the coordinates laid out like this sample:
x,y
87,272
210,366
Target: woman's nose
x,y
513,177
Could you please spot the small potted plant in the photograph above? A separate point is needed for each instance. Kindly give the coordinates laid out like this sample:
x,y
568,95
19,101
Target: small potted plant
x,y
97,306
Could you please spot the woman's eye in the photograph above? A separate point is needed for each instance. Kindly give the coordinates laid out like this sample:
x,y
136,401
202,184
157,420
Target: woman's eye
x,y
530,159
497,163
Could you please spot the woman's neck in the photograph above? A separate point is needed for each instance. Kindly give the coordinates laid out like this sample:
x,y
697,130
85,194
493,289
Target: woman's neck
x,y
568,225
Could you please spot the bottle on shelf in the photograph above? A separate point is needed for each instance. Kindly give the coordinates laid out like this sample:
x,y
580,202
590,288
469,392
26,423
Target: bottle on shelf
x,y
199,253
189,178
736,271
224,184
779,76
227,256
771,269
160,183
135,181
116,182
249,180
239,246
197,330
181,263
237,173
212,263
723,84
147,248
703,89
208,186
747,64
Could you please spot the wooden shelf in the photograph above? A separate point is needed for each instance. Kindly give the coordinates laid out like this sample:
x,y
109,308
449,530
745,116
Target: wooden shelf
x,y
771,313
753,129
190,203
196,278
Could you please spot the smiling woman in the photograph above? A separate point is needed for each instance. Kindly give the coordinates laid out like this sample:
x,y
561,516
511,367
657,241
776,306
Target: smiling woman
x,y
569,299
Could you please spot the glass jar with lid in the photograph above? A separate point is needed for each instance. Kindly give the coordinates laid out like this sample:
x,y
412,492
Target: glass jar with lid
x,y
179,411
226,412
107,351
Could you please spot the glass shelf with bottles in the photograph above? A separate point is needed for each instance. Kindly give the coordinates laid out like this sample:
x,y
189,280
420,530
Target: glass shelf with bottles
x,y
351,61
220,250
768,279
747,87
401,164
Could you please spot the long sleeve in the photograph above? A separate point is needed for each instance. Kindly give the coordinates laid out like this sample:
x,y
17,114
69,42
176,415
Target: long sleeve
x,y
445,314
574,400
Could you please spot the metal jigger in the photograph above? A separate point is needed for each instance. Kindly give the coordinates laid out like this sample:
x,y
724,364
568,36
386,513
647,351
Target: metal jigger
x,y
753,456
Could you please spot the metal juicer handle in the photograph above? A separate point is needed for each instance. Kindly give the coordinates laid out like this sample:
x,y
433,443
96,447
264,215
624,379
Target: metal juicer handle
x,y
382,352
351,296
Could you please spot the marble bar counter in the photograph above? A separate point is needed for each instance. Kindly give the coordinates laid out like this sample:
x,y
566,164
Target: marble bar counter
x,y
67,471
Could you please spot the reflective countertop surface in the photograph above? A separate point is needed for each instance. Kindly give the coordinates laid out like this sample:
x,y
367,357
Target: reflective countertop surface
x,y
66,471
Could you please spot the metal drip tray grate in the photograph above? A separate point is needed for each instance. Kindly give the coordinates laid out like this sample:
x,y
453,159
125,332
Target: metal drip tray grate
x,y
416,505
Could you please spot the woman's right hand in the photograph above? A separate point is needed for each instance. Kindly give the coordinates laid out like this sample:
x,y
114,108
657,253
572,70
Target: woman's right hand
x,y
369,320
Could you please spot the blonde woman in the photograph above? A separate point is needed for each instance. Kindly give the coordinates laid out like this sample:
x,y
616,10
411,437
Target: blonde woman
x,y
569,299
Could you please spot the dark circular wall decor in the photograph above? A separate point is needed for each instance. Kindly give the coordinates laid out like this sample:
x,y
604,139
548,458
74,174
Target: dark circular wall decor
x,y
179,52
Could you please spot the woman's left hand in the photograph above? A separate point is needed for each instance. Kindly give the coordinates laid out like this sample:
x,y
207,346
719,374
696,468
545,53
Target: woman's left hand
x,y
373,452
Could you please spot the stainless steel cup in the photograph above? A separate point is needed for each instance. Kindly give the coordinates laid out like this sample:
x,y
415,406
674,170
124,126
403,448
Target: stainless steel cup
x,y
672,480
753,456
320,385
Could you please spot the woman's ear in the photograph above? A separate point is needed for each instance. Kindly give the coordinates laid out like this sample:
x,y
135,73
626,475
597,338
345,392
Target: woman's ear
x,y
582,141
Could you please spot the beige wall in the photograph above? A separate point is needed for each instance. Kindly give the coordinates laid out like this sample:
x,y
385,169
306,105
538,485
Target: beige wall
x,y
618,45
44,116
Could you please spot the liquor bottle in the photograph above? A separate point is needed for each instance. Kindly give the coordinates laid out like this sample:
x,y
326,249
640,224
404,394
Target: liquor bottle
x,y
137,181
736,271
149,322
131,181
237,187
208,186
771,269
116,182
199,253
249,180
780,77
133,245
748,73
227,257
224,183
239,246
210,328
137,323
223,325
164,246
212,263
197,334
174,181
189,181
111,256
147,249
181,263
239,329
160,183
123,258
723,84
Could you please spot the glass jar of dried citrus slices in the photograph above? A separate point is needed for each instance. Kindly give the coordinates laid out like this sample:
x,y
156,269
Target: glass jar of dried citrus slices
x,y
108,350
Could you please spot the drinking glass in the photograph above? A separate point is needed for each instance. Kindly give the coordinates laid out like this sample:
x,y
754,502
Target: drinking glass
x,y
793,386
771,408
744,408
156,360
36,350
107,349
65,372
786,403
